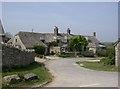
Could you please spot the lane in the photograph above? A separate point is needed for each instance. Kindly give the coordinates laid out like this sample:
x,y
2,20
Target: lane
x,y
68,74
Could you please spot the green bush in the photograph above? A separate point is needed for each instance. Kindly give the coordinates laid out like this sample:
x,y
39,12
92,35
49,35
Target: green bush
x,y
62,54
39,49
76,43
110,59
39,55
87,54
101,53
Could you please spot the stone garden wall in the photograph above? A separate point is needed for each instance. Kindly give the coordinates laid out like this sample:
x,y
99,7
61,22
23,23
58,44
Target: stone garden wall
x,y
117,57
13,57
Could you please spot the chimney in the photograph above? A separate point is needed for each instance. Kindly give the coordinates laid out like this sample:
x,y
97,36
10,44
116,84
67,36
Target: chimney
x,y
94,34
56,31
68,31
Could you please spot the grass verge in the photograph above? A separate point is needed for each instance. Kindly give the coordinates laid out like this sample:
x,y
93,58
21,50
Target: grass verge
x,y
98,66
41,71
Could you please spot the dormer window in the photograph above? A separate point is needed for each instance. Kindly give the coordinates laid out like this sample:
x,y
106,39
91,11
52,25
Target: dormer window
x,y
42,39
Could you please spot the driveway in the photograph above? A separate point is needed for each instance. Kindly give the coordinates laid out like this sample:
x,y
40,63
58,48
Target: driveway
x,y
68,74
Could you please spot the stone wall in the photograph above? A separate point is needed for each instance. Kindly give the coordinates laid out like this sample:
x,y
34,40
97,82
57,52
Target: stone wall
x,y
54,49
117,57
13,57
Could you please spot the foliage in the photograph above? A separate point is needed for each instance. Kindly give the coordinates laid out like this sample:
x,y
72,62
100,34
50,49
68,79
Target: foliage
x,y
62,54
77,43
110,59
39,55
87,53
101,53
39,69
9,35
39,49
106,51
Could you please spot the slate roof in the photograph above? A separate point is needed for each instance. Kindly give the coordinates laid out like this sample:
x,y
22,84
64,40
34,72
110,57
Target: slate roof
x,y
92,45
93,41
30,38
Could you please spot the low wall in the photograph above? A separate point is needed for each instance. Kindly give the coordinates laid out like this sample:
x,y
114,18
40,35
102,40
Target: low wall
x,y
13,57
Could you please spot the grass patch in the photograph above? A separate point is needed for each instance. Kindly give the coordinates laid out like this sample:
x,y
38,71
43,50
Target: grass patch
x,y
98,66
36,68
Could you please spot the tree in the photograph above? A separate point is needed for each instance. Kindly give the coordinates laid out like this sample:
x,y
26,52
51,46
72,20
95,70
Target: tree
x,y
8,35
78,43
39,49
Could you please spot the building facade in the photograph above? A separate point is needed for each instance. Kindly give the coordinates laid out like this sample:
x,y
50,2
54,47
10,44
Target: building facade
x,y
2,33
54,42
117,53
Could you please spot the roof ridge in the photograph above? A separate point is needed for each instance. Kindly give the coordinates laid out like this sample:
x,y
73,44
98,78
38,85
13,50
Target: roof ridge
x,y
33,32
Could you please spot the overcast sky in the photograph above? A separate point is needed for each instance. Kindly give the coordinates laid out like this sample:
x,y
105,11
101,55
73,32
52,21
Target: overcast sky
x,y
81,17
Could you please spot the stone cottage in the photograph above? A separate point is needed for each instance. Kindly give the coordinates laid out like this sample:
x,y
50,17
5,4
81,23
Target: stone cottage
x,y
56,41
93,43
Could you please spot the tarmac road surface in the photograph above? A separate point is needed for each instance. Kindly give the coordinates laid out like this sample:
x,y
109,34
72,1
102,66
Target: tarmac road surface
x,y
68,74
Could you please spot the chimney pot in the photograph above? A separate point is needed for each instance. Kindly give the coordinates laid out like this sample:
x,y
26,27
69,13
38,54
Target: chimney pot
x,y
94,34
68,31
56,30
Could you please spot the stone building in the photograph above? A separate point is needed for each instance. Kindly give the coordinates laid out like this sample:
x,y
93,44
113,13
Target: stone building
x,y
2,33
10,56
3,37
57,41
117,53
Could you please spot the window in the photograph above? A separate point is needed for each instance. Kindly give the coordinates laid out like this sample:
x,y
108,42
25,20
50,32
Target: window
x,y
57,41
43,41
15,40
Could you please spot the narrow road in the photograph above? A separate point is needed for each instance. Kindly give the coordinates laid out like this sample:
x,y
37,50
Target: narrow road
x,y
68,74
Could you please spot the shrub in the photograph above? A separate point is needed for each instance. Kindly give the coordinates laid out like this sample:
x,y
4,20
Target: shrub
x,y
39,55
101,53
76,43
87,54
110,59
39,49
64,55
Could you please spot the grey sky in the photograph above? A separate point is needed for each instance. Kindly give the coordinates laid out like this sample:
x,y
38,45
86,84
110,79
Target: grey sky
x,y
81,18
